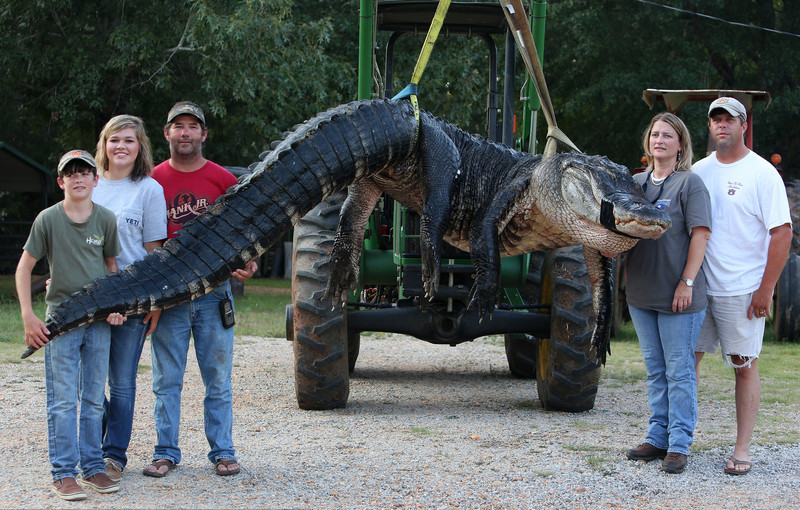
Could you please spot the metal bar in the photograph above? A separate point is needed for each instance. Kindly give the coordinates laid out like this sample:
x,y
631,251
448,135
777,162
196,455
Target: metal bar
x,y
365,33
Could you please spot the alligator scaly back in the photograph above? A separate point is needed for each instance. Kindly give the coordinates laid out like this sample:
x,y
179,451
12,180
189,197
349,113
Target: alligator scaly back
x,y
320,157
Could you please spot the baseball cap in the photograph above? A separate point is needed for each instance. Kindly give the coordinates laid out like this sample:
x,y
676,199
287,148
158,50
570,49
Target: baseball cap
x,y
185,108
730,105
76,154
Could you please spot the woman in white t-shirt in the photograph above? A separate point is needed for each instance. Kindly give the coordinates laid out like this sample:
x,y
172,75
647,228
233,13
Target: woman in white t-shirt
x,y
125,163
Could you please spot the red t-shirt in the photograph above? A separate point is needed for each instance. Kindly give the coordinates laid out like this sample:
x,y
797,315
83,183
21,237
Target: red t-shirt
x,y
189,194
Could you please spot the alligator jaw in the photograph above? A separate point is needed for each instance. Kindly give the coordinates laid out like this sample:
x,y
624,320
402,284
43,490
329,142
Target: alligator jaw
x,y
632,218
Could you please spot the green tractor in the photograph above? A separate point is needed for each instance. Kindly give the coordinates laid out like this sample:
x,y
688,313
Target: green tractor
x,y
546,313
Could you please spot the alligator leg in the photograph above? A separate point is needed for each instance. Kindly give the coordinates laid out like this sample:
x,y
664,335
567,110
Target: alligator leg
x,y
440,168
484,241
601,278
356,210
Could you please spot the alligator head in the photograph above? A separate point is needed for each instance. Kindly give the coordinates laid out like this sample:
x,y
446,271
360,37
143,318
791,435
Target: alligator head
x,y
597,203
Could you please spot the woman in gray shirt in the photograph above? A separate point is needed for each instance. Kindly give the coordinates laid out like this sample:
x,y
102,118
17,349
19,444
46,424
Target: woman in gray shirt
x,y
666,292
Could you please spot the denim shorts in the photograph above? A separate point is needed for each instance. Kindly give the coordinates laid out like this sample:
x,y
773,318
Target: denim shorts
x,y
727,325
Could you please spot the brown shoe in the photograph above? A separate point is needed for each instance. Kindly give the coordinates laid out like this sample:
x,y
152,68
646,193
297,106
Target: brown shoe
x,y
101,483
674,463
68,489
113,469
646,452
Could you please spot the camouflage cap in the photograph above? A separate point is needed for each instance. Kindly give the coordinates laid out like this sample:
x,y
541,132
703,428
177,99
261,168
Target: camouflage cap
x,y
730,105
185,108
76,154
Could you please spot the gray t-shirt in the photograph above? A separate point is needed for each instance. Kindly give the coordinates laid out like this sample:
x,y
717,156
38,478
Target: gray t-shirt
x,y
655,266
75,251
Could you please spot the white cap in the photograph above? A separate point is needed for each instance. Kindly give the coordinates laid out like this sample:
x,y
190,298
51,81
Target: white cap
x,y
730,105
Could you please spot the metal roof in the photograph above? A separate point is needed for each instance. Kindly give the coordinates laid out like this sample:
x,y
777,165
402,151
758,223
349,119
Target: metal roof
x,y
676,99
463,18
20,174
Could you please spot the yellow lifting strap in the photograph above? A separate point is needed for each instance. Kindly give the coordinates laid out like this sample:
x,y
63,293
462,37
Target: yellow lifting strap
x,y
518,22
422,61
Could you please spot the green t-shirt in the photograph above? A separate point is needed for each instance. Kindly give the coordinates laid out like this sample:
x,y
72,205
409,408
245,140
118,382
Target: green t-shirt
x,y
75,251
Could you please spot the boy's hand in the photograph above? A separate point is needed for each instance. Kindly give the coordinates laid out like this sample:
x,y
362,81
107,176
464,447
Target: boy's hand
x,y
35,331
115,319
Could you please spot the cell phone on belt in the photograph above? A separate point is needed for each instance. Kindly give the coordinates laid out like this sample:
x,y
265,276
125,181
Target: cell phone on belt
x,y
226,313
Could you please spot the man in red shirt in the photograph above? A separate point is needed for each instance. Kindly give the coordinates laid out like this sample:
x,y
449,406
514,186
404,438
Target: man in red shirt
x,y
191,185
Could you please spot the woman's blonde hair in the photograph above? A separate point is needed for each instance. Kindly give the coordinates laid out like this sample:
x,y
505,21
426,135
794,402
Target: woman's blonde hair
x,y
684,153
143,166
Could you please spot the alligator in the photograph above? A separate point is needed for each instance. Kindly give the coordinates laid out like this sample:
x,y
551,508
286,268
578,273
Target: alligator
x,y
477,195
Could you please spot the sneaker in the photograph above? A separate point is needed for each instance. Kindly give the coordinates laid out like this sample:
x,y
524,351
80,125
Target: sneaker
x,y
674,463
113,469
68,489
101,483
646,452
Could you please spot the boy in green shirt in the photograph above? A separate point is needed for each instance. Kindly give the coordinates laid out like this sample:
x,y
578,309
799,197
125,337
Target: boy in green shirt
x,y
79,239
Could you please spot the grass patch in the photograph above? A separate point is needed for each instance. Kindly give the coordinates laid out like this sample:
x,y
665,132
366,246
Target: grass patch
x,y
599,463
584,448
625,366
12,331
422,431
585,425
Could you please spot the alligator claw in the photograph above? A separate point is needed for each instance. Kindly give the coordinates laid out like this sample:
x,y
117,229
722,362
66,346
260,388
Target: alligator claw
x,y
431,286
343,278
483,299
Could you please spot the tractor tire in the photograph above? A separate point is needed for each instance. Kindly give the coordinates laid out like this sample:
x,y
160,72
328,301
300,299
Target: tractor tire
x,y
568,373
786,321
322,379
522,350
793,194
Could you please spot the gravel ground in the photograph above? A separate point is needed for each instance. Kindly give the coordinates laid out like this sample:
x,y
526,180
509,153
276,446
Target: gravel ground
x,y
425,427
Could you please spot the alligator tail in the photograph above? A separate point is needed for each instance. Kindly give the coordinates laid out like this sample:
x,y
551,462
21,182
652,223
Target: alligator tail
x,y
320,157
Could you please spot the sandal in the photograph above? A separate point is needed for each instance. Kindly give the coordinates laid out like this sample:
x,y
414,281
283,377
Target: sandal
x,y
738,463
226,463
154,469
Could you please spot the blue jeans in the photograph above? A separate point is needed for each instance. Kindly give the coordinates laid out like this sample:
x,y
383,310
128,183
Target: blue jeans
x,y
76,364
213,345
127,341
667,342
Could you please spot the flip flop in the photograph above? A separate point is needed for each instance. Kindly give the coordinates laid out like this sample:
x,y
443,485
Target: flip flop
x,y
153,468
226,463
737,462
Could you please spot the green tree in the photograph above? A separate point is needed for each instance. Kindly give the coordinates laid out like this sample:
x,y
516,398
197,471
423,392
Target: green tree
x,y
600,56
254,65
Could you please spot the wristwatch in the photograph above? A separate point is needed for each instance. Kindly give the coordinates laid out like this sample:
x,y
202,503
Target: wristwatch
x,y
689,282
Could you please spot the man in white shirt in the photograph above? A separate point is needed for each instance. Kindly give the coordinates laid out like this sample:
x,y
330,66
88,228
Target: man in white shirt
x,y
744,259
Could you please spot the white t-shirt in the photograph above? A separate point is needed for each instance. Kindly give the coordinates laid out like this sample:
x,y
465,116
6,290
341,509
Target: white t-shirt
x,y
141,212
748,199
